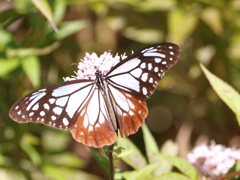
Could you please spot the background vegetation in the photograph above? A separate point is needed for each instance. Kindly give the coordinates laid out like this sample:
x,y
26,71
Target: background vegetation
x,y
184,109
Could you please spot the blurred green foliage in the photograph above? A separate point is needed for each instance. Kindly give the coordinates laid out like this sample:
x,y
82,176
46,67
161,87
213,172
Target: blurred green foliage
x,y
186,110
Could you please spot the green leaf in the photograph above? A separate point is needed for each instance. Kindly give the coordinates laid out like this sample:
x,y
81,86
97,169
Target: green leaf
x,y
102,161
5,39
44,7
229,95
27,142
31,68
144,173
22,52
213,18
131,154
234,169
182,165
151,150
69,28
52,172
171,176
65,159
8,65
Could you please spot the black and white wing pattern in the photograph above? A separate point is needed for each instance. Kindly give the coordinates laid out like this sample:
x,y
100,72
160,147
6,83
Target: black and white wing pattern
x,y
140,73
76,105
93,110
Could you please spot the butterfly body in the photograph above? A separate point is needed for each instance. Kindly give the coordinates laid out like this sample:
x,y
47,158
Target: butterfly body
x,y
95,109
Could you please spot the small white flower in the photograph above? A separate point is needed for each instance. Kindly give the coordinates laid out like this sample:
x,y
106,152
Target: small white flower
x,y
213,160
91,62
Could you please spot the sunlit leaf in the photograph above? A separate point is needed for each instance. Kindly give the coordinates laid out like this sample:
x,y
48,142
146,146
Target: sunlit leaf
x,y
65,159
229,95
131,154
31,68
151,150
144,173
68,28
171,176
22,52
8,65
179,18
44,7
5,39
9,174
212,17
182,165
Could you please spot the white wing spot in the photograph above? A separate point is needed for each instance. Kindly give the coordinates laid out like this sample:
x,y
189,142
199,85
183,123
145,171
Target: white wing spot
x,y
62,101
144,77
23,116
53,118
144,90
16,107
150,66
139,112
65,121
130,103
42,90
136,72
171,59
164,62
36,107
19,112
155,82
46,106
31,114
154,54
90,128
52,100
42,113
35,100
172,53
143,65
128,95
57,110
157,60
159,74
170,47
151,80
156,69
131,113
43,119
85,121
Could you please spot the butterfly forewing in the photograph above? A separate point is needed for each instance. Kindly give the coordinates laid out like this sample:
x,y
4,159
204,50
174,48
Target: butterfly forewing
x,y
56,105
140,73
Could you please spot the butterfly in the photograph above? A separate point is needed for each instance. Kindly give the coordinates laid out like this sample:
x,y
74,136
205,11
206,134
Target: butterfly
x,y
94,110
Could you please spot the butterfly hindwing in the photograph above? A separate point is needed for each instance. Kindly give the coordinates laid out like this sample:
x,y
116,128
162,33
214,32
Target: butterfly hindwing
x,y
130,112
94,126
140,73
56,105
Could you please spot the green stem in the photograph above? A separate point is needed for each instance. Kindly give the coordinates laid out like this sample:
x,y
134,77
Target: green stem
x,y
110,149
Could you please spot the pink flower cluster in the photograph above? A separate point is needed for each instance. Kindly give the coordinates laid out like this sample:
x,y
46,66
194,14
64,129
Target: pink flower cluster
x,y
213,160
91,62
